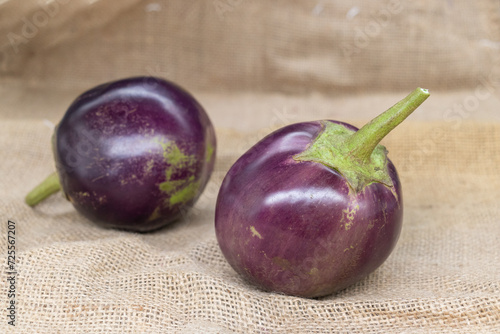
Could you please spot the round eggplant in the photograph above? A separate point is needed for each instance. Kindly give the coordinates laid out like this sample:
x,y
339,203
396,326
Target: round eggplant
x,y
313,207
132,154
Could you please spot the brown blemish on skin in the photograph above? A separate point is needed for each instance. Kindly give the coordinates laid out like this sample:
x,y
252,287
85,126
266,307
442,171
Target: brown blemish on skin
x,y
132,178
348,214
283,263
385,216
93,199
98,178
314,271
149,166
255,233
348,248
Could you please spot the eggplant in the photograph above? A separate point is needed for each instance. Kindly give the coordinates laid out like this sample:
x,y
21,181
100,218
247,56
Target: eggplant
x,y
313,207
132,154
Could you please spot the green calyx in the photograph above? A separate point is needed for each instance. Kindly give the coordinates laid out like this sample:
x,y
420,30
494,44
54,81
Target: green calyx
x,y
338,157
357,155
178,191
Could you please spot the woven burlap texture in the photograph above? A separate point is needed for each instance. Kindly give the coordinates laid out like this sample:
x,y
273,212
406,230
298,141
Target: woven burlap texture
x,y
75,277
294,46
256,66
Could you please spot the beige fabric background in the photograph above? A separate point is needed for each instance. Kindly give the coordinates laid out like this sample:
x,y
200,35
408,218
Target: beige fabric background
x,y
255,66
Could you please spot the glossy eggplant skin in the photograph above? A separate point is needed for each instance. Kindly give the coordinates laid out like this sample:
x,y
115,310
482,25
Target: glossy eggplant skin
x,y
135,153
296,227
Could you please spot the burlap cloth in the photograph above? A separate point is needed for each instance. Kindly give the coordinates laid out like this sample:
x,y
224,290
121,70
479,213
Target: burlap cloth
x,y
256,66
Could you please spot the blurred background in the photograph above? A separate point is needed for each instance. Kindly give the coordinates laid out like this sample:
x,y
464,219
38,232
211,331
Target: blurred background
x,y
256,64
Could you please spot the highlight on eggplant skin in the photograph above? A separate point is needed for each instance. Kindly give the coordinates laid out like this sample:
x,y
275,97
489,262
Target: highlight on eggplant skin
x,y
132,154
313,207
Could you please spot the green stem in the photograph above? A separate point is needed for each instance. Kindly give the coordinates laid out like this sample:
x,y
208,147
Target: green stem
x,y
49,186
362,143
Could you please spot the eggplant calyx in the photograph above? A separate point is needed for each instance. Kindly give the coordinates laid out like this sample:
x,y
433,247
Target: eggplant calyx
x,y
330,150
183,190
357,155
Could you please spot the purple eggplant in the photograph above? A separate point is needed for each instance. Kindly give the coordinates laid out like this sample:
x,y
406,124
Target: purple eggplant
x,y
132,154
313,207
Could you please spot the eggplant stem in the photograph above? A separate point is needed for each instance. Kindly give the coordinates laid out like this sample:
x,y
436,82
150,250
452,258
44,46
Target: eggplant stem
x,y
48,186
362,143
